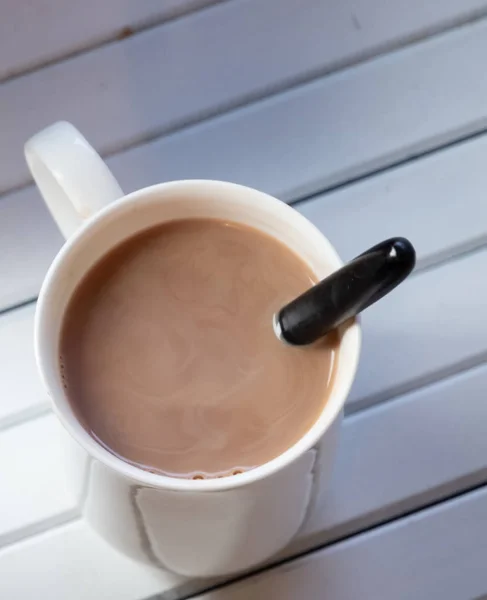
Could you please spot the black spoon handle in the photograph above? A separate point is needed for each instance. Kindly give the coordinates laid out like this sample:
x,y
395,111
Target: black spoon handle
x,y
346,292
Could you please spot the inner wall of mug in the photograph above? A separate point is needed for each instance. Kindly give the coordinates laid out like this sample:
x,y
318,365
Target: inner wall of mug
x,y
167,202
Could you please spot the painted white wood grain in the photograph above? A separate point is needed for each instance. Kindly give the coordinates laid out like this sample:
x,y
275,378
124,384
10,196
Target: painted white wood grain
x,y
33,32
189,68
34,494
29,240
21,394
425,445
405,338
332,129
439,202
392,458
438,553
73,562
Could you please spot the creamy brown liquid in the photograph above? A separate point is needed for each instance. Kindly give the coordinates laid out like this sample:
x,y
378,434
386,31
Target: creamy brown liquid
x,y
169,357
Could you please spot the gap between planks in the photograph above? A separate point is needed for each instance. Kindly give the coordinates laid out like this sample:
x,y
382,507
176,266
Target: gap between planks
x,y
419,512
116,38
402,162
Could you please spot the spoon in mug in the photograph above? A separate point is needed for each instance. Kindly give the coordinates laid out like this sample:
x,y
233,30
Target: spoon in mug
x,y
346,292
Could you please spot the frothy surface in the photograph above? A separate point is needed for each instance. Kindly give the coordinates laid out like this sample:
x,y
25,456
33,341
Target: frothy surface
x,y
169,355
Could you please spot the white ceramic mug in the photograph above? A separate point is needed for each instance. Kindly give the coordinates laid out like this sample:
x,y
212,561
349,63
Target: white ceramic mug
x,y
193,527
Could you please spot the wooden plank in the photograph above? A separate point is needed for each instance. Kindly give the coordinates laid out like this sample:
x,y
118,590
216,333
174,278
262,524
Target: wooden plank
x,y
438,553
187,69
418,444
438,202
431,326
29,240
75,563
21,394
35,496
339,138
392,458
34,32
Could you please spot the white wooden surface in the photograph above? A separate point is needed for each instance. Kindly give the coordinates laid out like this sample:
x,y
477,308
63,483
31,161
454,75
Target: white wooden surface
x,y
34,33
418,557
371,114
181,71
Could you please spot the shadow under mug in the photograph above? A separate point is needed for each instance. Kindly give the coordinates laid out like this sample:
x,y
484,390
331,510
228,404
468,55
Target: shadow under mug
x,y
193,527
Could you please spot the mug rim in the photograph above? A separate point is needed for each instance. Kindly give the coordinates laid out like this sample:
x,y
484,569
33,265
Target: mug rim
x,y
350,332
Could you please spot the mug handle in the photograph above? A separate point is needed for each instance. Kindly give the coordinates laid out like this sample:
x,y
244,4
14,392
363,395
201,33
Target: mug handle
x,y
71,176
